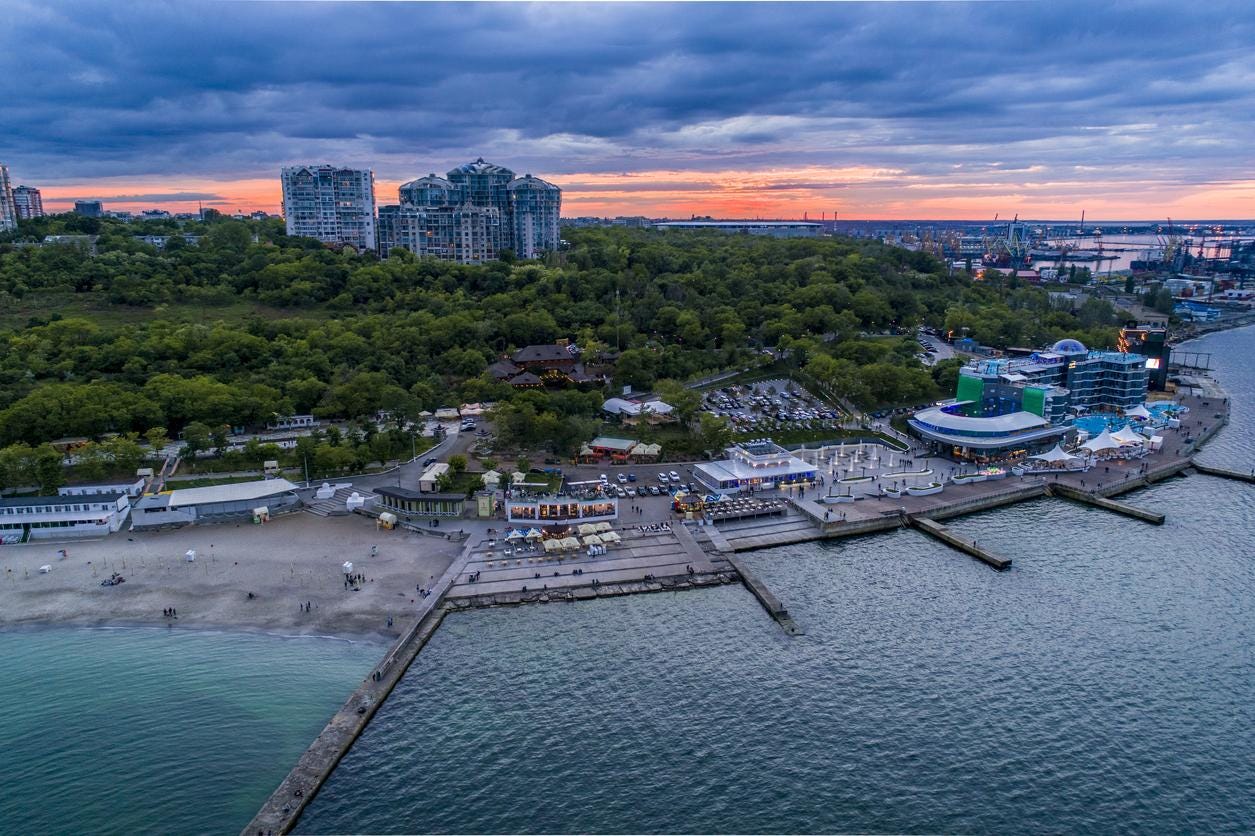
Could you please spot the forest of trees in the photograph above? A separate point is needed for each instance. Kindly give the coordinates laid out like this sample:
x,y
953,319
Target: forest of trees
x,y
286,325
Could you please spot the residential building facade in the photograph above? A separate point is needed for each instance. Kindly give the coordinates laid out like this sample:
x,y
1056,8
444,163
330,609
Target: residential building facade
x,y
89,208
535,212
475,213
462,233
29,202
336,205
8,212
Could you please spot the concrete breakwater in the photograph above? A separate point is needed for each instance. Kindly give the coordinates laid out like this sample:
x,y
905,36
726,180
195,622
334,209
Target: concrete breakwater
x,y
283,808
589,593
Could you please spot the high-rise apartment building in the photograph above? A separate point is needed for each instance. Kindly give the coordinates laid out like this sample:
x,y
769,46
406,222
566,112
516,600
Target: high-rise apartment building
x,y
486,185
89,208
474,214
8,212
29,202
535,210
466,234
333,204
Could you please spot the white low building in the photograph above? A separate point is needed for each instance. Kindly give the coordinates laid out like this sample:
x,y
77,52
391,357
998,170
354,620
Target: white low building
x,y
216,503
752,466
129,487
429,482
61,517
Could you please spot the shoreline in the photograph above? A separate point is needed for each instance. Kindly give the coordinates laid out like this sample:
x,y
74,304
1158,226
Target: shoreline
x,y
245,578
377,639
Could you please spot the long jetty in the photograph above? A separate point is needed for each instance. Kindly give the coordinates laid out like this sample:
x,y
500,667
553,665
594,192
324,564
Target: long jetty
x,y
940,532
280,812
1068,492
770,602
1224,472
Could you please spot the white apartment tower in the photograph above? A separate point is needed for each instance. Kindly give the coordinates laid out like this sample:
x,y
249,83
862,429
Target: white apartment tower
x,y
8,211
333,204
29,202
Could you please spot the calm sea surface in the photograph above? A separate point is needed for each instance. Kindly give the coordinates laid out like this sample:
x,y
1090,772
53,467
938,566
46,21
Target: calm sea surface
x,y
158,731
1106,683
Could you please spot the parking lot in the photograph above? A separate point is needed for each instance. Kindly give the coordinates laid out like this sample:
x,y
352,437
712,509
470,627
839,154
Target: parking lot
x,y
771,405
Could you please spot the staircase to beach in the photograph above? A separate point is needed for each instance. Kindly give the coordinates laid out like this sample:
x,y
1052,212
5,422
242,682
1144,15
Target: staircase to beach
x,y
333,507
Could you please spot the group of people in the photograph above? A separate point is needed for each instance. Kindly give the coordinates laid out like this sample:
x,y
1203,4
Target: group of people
x,y
170,612
352,579
306,607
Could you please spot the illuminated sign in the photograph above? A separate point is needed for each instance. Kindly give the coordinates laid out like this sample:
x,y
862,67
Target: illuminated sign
x,y
1152,362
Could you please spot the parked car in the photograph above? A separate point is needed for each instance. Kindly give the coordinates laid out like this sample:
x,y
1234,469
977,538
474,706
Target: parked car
x,y
675,477
664,478
622,479
654,490
429,462
640,490
631,477
602,478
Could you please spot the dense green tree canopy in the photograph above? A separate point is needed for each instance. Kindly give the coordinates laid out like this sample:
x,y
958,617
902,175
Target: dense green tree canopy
x,y
244,322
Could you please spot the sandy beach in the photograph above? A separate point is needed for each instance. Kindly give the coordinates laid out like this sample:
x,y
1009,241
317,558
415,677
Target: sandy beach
x,y
285,563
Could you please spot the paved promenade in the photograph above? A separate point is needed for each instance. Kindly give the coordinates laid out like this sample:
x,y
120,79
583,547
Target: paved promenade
x,y
664,553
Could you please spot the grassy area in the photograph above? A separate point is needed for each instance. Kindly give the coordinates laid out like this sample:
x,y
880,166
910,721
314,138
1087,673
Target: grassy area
x,y
208,481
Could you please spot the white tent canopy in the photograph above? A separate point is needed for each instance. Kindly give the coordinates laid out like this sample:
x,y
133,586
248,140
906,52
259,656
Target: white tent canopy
x,y
1128,435
515,534
586,529
1102,442
602,526
592,540
611,537
1138,411
534,534
1055,454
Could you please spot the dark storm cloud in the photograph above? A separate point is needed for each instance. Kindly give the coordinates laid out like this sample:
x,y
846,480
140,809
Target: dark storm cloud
x,y
238,89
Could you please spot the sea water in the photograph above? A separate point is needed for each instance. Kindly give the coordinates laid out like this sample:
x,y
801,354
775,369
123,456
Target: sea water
x,y
156,730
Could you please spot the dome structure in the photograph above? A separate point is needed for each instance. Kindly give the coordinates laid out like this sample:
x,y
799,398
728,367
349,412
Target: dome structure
x,y
1069,347
480,167
527,181
429,191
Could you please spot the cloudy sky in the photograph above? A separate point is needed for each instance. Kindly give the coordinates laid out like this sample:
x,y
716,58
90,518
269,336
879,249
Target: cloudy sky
x,y
913,110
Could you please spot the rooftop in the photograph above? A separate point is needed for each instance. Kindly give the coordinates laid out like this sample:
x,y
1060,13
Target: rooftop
x,y
1012,422
238,492
34,501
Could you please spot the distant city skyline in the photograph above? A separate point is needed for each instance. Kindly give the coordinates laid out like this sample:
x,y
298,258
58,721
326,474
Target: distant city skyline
x,y
872,111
